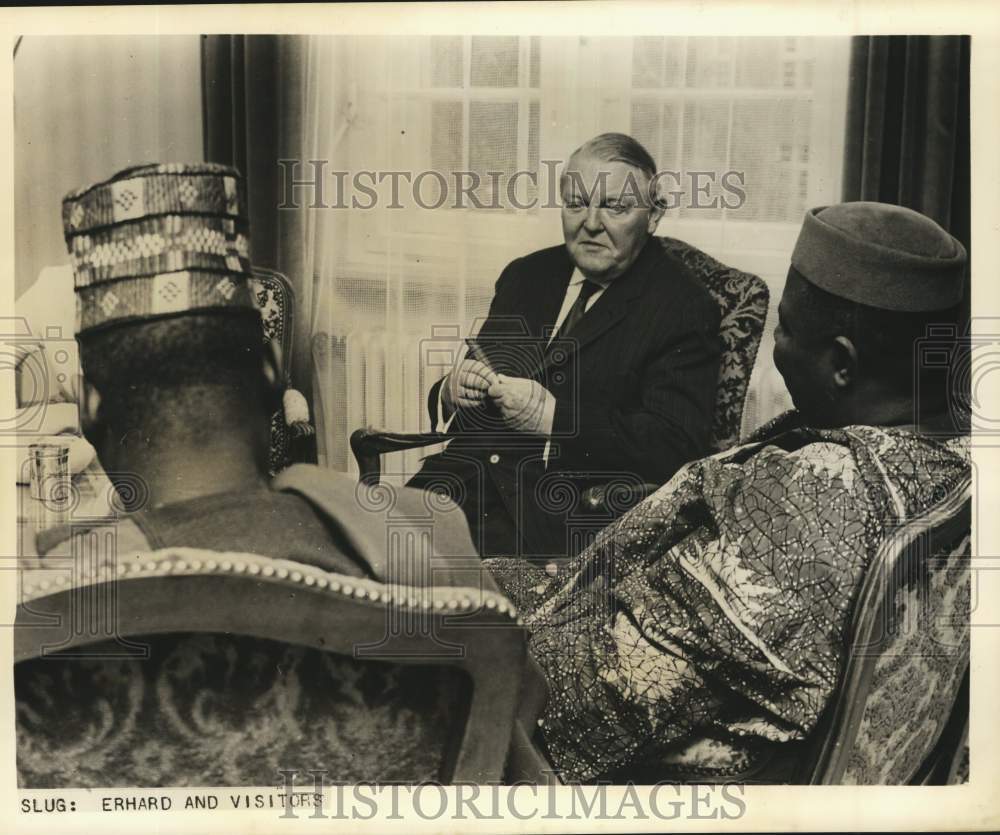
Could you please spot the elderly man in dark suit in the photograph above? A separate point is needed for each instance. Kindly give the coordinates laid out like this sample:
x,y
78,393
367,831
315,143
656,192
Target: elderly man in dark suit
x,y
598,360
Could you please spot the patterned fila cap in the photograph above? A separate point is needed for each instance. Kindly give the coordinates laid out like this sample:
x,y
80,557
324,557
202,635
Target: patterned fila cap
x,y
158,240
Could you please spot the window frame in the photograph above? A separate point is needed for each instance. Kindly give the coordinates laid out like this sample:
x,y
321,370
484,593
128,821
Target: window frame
x,y
584,87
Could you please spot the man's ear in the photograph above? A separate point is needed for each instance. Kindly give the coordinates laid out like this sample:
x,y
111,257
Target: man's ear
x,y
845,362
90,411
655,213
273,369
657,208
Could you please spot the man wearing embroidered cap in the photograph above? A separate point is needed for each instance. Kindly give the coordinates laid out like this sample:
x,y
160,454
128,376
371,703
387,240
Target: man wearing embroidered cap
x,y
717,640
157,240
179,386
177,392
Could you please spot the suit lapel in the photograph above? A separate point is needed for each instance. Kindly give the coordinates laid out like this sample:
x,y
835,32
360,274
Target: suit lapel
x,y
612,305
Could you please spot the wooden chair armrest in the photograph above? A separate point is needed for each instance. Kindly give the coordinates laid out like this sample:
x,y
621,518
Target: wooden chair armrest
x,y
525,760
526,763
369,443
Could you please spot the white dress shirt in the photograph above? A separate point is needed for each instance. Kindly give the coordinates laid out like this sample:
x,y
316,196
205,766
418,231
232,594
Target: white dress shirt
x,y
572,293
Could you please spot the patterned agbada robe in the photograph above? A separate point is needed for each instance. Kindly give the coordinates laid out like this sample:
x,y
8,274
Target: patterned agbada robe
x,y
704,631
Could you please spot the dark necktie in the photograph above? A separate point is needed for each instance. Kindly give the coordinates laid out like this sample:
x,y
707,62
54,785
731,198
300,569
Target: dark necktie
x,y
587,289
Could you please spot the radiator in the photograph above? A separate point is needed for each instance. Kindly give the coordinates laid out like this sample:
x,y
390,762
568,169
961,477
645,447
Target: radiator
x,y
377,378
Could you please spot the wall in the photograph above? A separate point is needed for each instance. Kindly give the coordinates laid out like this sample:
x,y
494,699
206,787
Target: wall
x,y
85,107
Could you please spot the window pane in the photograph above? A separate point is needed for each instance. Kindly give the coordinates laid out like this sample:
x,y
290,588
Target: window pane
x,y
673,62
646,125
534,126
789,73
670,138
658,62
710,62
807,73
759,62
446,61
494,62
647,62
656,126
768,141
706,134
446,136
535,63
492,145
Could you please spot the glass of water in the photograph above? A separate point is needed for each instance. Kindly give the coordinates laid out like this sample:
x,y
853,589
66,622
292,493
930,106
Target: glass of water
x,y
50,485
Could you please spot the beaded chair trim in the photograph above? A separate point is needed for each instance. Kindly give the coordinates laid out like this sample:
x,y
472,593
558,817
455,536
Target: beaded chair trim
x,y
189,562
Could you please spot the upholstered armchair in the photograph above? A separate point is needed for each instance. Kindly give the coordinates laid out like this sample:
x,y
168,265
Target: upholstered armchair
x,y
901,713
292,434
743,301
219,669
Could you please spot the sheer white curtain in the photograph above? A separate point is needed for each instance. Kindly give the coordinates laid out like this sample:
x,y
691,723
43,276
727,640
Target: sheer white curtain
x,y
85,107
395,285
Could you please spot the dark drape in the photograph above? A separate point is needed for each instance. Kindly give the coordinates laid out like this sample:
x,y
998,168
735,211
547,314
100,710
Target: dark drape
x,y
245,95
908,126
908,139
252,107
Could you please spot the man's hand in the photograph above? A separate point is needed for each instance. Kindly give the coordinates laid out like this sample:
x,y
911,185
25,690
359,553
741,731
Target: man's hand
x,y
467,385
525,405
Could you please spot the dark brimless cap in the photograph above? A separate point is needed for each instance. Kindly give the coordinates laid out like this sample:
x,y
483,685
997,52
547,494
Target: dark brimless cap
x,y
881,255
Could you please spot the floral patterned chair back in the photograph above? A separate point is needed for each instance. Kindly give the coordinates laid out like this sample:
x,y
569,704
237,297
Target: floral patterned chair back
x,y
275,298
220,669
901,713
742,298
